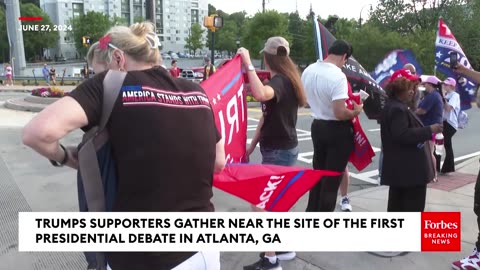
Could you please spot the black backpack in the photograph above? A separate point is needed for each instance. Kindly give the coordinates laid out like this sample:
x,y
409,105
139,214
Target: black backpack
x,y
96,176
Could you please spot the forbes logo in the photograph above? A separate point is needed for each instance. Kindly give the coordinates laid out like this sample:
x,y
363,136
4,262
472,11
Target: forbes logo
x,y
442,225
441,231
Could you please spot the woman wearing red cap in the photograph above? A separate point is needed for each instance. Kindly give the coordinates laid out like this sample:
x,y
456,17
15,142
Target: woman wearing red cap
x,y
407,162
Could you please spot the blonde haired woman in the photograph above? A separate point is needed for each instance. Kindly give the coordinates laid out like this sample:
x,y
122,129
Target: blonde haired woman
x,y
153,139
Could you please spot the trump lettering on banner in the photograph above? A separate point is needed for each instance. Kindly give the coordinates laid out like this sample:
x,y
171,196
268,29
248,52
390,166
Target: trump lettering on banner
x,y
227,97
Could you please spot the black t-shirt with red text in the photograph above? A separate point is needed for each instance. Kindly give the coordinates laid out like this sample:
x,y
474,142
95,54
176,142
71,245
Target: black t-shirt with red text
x,y
163,137
280,116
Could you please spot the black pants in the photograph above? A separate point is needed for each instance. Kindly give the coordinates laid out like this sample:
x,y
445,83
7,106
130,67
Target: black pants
x,y
332,145
476,207
407,199
448,163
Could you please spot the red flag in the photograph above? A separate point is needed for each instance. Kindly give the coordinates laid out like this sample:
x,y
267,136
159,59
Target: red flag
x,y
362,153
270,187
227,96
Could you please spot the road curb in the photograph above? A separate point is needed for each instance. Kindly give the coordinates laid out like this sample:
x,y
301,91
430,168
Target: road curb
x,y
20,104
15,90
467,162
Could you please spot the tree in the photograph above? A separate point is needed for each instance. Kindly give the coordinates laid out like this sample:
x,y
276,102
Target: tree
x,y
405,16
138,19
296,29
226,37
263,26
309,54
35,2
116,20
211,9
35,41
194,39
93,24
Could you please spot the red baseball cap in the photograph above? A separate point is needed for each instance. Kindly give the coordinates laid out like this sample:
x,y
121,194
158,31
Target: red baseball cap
x,y
404,73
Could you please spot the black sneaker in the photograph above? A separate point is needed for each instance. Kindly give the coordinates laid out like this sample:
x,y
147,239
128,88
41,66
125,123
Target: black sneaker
x,y
283,255
264,264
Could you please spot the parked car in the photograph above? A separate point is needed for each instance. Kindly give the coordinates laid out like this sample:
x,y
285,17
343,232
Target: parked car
x,y
166,56
174,55
197,74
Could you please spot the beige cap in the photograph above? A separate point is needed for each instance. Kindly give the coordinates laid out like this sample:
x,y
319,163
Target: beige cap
x,y
273,43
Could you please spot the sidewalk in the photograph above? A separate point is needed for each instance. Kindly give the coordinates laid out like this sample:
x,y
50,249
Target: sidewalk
x,y
28,183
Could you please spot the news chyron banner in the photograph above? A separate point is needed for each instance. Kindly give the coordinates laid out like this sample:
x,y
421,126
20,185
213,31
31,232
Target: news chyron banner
x,y
239,231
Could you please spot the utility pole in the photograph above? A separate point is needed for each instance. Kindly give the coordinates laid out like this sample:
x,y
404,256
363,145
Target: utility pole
x,y
150,11
15,37
263,6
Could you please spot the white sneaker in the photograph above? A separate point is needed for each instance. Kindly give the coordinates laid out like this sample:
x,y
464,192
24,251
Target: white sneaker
x,y
471,262
282,255
345,204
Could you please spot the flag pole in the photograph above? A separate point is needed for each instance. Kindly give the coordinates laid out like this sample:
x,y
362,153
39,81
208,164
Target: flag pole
x,y
316,34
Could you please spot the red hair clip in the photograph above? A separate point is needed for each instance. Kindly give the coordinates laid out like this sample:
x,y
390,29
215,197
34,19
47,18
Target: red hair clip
x,y
104,42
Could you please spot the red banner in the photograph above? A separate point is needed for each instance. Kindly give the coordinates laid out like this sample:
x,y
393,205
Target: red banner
x,y
362,153
270,187
273,188
227,97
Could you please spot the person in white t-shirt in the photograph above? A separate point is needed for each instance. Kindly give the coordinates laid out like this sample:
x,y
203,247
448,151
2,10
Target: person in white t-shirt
x,y
450,123
332,132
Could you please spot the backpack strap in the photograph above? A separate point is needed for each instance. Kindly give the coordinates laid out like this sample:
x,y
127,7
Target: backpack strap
x,y
93,140
112,83
90,170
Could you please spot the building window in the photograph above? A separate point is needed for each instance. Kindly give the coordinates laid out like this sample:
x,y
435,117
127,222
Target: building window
x,y
178,39
66,5
162,39
77,9
168,38
137,11
125,6
178,31
194,16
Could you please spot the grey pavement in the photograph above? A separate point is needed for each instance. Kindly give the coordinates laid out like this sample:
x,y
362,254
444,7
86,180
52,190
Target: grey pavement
x,y
29,183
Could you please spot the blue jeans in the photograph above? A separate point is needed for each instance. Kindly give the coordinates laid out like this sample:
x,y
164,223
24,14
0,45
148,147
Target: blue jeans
x,y
279,156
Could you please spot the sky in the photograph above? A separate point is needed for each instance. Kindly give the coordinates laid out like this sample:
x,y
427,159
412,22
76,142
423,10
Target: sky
x,y
341,8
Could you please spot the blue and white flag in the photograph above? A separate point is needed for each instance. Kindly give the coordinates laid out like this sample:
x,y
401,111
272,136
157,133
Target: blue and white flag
x,y
393,61
446,44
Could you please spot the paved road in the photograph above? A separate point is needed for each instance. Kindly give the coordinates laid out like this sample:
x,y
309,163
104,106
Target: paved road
x,y
29,183
465,144
465,141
